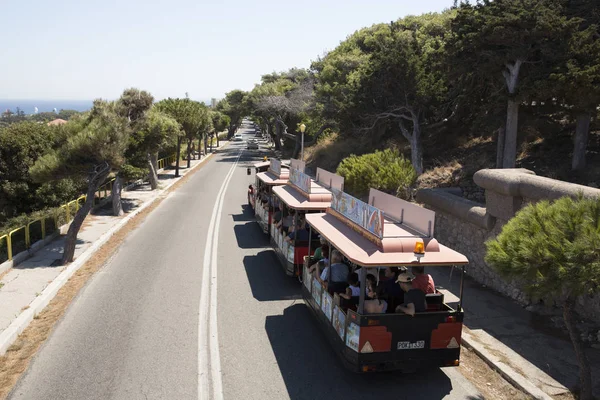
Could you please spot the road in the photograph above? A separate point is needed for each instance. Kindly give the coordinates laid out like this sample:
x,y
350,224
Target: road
x,y
144,326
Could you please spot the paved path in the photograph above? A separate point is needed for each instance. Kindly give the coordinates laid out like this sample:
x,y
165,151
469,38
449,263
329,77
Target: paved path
x,y
139,329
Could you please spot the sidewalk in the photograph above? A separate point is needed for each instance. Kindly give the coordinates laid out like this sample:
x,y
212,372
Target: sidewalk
x,y
509,335
22,284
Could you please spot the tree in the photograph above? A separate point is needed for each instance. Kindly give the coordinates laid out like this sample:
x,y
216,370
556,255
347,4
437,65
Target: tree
x,y
190,115
67,114
158,131
576,80
94,148
21,145
551,249
508,42
132,105
389,78
234,106
220,122
281,101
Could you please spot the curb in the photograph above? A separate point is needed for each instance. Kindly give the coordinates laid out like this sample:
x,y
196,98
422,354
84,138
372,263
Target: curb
x,y
16,327
507,372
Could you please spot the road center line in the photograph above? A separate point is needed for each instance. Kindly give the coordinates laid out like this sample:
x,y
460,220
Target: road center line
x,y
209,365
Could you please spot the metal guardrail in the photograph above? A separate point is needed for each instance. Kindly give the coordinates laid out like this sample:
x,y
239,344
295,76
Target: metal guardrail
x,y
10,246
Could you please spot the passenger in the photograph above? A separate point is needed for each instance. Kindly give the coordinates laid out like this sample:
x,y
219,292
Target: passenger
x,y
319,251
287,221
371,286
320,265
422,280
353,290
373,303
339,271
414,299
277,215
300,234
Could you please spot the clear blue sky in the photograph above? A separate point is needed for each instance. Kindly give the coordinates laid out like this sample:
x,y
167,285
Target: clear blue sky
x,y
76,50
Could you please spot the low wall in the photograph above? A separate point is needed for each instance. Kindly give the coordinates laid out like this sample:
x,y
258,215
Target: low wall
x,y
465,225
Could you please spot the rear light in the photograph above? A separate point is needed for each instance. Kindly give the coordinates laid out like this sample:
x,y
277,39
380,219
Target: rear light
x,y
453,363
373,322
451,319
369,368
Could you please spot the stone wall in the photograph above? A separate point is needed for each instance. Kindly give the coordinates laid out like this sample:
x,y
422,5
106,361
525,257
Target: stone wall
x,y
465,225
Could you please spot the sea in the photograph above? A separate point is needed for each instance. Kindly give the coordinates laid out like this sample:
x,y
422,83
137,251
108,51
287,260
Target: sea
x,y
29,106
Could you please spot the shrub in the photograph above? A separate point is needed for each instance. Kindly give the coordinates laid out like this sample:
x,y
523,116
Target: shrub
x,y
386,170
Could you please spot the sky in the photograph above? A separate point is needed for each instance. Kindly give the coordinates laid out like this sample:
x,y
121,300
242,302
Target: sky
x,y
81,50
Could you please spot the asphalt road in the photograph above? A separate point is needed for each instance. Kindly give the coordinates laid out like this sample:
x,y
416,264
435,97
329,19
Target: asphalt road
x,y
134,331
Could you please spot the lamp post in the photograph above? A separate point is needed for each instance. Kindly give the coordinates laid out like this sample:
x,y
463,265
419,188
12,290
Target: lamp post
x,y
302,129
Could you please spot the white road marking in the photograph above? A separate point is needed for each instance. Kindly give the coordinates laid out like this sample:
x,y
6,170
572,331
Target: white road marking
x,y
209,360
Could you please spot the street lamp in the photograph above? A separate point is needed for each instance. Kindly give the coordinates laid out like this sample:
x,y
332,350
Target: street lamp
x,y
302,129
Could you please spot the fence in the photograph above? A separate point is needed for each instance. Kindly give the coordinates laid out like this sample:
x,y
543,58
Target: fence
x,y
21,238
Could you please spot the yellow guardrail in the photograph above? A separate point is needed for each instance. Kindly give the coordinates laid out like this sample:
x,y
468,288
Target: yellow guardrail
x,y
167,161
68,210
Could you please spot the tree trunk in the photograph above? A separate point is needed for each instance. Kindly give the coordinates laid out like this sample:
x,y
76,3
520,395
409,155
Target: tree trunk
x,y
581,141
416,146
231,131
71,238
154,160
211,141
500,146
511,77
585,373
178,156
509,158
116,197
189,153
152,176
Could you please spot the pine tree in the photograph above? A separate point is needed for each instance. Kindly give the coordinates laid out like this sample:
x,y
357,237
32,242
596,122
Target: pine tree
x,y
553,251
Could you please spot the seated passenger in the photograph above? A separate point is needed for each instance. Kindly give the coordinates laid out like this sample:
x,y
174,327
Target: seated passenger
x,y
287,221
422,280
319,251
320,265
339,271
414,299
300,234
353,290
373,303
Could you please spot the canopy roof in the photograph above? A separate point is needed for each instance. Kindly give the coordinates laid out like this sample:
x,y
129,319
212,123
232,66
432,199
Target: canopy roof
x,y
270,179
399,242
319,198
266,164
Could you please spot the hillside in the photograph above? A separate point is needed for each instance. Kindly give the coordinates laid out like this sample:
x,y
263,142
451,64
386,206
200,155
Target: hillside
x,y
451,161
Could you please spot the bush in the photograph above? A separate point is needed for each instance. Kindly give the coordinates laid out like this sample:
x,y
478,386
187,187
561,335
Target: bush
x,y
386,170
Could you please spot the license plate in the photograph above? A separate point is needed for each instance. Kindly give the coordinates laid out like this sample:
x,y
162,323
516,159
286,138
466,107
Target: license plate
x,y
409,346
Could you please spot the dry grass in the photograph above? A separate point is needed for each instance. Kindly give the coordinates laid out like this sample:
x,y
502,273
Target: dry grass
x,y
19,355
443,176
330,150
489,383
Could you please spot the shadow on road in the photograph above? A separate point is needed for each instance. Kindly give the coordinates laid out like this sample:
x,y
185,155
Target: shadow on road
x,y
311,370
267,279
247,214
